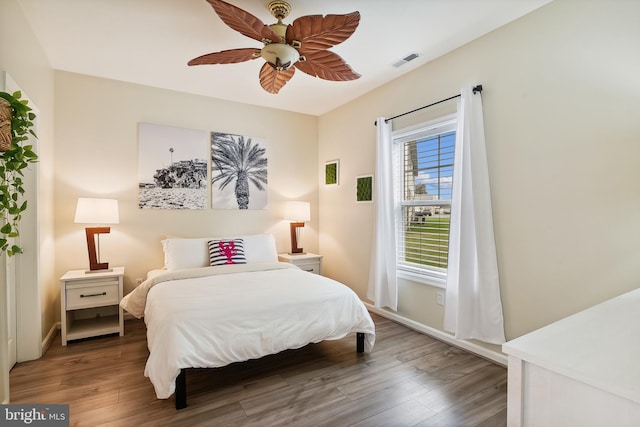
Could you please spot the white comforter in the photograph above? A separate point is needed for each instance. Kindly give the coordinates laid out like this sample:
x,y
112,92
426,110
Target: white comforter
x,y
211,317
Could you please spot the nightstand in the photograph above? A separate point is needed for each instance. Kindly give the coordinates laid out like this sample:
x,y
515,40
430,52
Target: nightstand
x,y
308,261
90,304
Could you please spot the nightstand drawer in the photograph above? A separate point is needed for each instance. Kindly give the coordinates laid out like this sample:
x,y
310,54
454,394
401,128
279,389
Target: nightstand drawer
x,y
307,262
311,267
97,295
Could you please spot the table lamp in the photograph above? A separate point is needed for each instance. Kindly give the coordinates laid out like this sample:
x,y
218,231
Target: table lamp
x,y
99,212
298,213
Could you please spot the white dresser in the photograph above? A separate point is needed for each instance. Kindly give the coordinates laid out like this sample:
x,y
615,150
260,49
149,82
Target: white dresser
x,y
580,371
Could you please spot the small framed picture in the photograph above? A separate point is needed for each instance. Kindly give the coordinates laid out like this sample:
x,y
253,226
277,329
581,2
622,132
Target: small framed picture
x,y
364,189
332,172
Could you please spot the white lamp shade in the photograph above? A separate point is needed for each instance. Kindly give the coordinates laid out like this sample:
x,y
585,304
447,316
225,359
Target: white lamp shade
x,y
298,211
97,211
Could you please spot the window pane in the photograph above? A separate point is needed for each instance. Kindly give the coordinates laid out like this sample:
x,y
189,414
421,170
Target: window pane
x,y
426,176
428,168
426,235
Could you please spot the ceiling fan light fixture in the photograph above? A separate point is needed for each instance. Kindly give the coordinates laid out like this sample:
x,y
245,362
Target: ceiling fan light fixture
x,y
303,44
280,56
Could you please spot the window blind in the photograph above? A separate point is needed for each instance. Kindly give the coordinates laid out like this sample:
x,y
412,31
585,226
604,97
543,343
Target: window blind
x,y
423,185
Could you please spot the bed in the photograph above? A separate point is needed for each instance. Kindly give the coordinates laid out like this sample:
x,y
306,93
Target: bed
x,y
215,303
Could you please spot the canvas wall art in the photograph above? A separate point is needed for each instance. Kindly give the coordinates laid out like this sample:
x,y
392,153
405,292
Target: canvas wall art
x,y
238,172
173,168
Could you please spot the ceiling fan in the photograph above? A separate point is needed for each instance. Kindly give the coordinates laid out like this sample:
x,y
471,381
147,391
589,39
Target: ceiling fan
x,y
302,44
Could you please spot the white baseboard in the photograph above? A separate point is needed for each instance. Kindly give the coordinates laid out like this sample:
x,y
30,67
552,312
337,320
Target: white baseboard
x,y
48,340
496,357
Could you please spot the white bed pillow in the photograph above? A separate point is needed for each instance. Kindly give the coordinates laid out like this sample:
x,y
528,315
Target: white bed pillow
x,y
182,253
185,253
260,248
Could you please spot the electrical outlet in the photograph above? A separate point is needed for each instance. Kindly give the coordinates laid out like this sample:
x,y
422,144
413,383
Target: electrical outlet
x,y
440,297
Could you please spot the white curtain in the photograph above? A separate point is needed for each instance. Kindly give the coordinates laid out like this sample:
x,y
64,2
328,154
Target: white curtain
x,y
473,308
383,284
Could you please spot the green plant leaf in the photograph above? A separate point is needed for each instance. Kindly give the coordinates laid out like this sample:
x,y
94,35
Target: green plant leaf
x,y
12,163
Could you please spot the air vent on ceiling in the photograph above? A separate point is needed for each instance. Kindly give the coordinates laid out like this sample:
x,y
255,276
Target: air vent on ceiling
x,y
406,59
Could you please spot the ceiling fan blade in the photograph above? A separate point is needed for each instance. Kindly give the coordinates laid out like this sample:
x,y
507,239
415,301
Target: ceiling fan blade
x,y
317,32
273,80
243,22
327,65
226,57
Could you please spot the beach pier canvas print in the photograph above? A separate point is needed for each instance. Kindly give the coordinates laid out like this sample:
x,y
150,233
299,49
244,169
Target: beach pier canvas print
x,y
173,168
238,172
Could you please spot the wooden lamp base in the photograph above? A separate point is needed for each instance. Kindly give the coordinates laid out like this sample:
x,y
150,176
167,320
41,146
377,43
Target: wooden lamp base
x,y
95,266
295,236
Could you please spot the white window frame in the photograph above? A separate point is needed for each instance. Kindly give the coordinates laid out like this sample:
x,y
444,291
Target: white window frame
x,y
433,276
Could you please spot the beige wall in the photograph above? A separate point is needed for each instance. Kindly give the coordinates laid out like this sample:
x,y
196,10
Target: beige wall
x,y
97,155
561,101
23,59
562,121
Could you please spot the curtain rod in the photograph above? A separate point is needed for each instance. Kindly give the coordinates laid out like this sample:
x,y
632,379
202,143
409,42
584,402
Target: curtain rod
x,y
475,89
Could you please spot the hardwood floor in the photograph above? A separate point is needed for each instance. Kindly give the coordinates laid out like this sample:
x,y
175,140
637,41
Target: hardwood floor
x,y
409,379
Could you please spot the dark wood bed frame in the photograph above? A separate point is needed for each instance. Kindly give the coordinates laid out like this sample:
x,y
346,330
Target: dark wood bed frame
x,y
181,380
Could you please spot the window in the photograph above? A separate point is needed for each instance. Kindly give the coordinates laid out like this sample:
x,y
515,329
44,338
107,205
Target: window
x,y
424,175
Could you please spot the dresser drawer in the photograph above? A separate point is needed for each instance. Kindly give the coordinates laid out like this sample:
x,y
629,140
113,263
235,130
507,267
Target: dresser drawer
x,y
86,295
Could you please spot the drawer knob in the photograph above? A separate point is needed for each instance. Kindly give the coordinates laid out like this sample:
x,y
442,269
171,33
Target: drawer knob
x,y
93,295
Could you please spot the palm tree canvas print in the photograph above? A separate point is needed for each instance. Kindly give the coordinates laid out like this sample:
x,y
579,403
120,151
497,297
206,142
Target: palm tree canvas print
x,y
238,172
172,167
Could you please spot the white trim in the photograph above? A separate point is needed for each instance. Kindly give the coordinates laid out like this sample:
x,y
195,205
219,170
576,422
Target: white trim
x,y
497,357
422,130
425,277
28,276
429,275
48,340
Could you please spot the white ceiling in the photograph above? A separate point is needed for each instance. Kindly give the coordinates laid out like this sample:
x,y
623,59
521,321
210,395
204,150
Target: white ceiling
x,y
150,41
